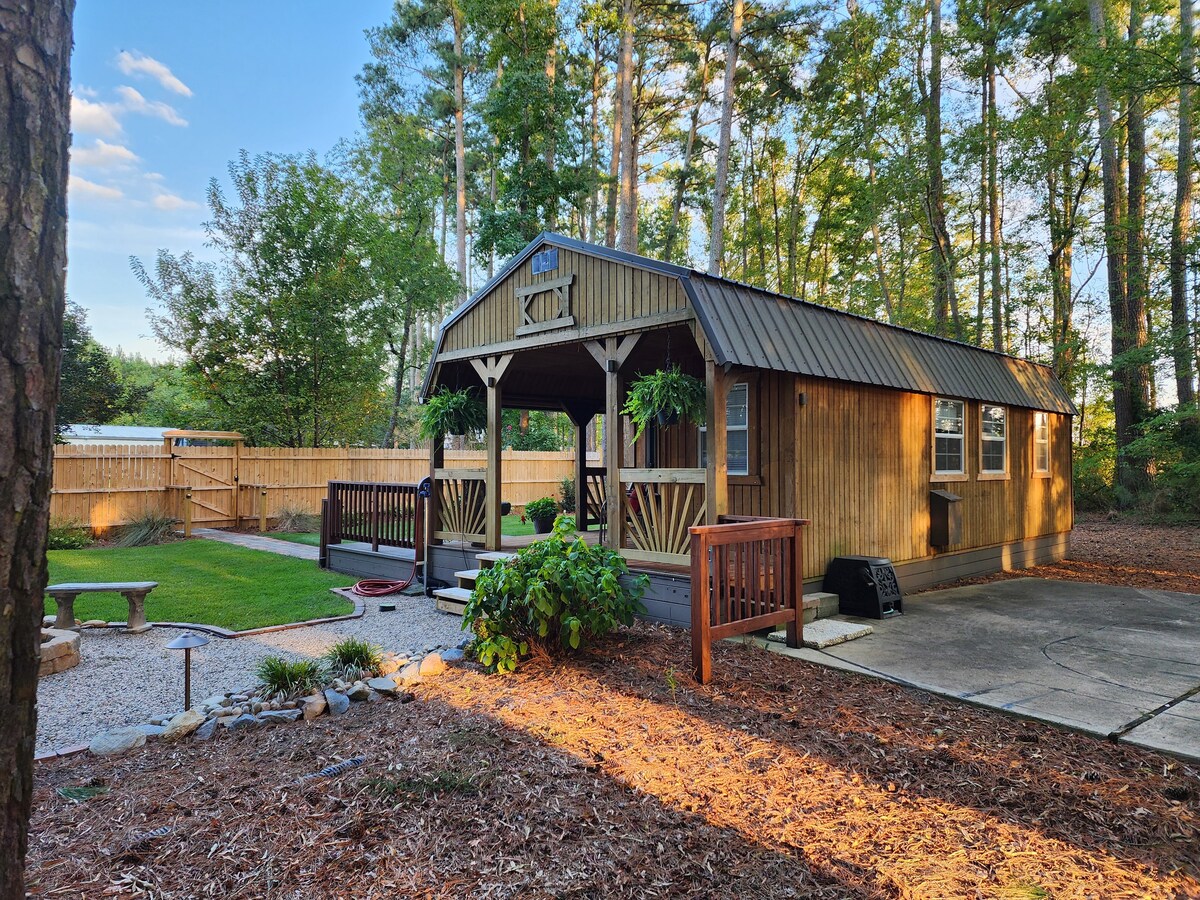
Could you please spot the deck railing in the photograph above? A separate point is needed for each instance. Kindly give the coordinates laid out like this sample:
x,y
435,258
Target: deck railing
x,y
660,506
747,574
594,496
375,513
462,511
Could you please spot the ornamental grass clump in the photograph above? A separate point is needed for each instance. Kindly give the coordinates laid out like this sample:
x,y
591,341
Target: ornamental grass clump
x,y
290,678
351,659
557,594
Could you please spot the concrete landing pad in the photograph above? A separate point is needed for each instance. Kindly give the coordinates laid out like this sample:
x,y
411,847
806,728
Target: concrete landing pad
x,y
823,633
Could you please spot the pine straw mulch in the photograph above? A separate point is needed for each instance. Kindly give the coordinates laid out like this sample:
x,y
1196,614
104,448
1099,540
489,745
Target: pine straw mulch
x,y
615,775
1120,550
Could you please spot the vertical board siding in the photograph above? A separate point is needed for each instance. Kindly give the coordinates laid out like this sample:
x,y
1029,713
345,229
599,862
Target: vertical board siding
x,y
111,484
604,292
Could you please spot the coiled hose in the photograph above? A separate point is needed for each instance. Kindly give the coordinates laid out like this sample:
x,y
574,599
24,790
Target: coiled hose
x,y
381,587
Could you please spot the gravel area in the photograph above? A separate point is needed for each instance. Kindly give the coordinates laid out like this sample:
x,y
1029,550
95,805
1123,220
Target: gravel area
x,y
125,679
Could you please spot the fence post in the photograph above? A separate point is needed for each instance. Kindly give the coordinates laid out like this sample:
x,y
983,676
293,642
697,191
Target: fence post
x,y
701,614
187,513
323,550
262,511
375,518
795,583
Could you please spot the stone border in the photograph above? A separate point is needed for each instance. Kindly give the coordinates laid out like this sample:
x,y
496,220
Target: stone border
x,y
360,609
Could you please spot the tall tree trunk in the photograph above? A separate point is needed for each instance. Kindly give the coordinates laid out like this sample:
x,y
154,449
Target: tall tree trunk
x,y
399,351
945,299
993,188
1136,283
716,247
627,226
685,172
981,280
460,147
614,162
1181,223
594,229
551,74
35,57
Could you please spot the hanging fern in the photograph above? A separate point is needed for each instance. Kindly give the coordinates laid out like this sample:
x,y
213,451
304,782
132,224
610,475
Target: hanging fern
x,y
669,392
452,412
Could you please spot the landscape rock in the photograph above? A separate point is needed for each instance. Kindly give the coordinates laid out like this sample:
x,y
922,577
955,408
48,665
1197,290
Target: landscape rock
x,y
227,711
410,674
119,740
382,686
432,665
270,716
216,700
313,706
391,665
358,691
338,703
207,730
151,731
243,721
453,656
94,623
183,724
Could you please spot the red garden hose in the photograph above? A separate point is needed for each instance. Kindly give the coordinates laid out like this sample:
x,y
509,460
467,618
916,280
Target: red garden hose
x,y
381,587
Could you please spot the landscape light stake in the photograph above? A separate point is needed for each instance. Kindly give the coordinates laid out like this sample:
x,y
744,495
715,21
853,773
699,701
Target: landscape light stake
x,y
186,642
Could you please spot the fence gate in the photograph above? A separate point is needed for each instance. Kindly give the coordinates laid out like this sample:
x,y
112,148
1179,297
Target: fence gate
x,y
212,475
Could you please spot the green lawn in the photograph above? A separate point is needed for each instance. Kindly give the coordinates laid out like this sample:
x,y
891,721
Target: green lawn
x,y
204,582
312,538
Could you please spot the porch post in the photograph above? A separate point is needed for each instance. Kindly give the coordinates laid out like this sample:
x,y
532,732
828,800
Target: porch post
x,y
611,355
492,370
717,475
581,515
433,508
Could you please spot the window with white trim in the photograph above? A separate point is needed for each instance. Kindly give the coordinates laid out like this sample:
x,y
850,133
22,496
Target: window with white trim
x,y
1041,442
737,432
993,439
949,417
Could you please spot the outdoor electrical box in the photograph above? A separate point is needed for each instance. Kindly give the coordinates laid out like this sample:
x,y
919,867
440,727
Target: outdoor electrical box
x,y
866,586
945,519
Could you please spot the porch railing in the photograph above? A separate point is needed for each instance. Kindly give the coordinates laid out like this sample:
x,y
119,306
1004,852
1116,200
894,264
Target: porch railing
x,y
660,506
747,574
375,513
594,495
462,511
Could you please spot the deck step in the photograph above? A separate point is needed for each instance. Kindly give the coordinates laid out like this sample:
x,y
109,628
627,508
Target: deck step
x,y
452,600
467,575
820,605
487,560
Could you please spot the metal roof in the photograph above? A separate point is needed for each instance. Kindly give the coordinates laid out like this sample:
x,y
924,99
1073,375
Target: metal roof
x,y
748,326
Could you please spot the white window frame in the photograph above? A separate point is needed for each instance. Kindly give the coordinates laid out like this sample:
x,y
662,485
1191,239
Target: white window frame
x,y
959,474
702,451
985,439
1041,441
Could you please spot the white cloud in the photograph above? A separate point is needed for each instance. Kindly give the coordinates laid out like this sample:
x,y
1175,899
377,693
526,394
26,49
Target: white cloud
x,y
93,118
81,187
103,155
172,202
139,63
154,176
135,102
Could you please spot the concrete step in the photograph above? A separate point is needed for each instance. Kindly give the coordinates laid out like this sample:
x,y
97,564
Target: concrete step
x,y
452,600
820,605
826,633
487,560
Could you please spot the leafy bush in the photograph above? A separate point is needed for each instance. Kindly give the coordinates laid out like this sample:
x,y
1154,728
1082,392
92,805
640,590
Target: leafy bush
x,y
150,527
558,593
351,658
452,412
543,508
68,536
566,491
293,520
289,678
1095,467
669,392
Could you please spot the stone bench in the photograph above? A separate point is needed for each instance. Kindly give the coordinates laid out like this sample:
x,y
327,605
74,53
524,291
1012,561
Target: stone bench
x,y
134,591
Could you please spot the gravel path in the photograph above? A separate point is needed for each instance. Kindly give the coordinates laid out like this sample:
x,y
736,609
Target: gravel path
x,y
125,679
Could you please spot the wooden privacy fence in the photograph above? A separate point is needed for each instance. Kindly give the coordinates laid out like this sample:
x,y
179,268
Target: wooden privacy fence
x,y
747,574
110,484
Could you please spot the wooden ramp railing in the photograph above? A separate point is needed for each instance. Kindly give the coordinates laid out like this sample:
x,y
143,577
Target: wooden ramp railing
x,y
747,574
660,507
375,513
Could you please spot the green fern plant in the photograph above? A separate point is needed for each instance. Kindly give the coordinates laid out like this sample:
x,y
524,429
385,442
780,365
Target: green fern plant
x,y
452,412
668,392
289,678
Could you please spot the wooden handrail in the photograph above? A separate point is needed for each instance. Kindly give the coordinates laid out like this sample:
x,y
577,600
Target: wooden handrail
x,y
375,513
747,574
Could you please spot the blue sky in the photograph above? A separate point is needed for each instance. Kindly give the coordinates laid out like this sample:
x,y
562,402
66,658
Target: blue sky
x,y
165,94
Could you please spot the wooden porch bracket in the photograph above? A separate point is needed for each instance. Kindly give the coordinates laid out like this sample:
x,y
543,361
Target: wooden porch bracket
x,y
491,370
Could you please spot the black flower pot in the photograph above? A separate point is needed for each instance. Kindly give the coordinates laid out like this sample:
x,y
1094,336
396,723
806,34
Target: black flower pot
x,y
505,507
667,419
543,525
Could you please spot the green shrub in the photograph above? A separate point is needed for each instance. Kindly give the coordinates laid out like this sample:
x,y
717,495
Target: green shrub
x,y
351,659
68,536
293,520
150,527
289,678
557,593
543,508
566,491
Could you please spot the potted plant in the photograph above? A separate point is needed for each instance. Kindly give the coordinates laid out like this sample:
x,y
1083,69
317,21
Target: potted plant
x,y
452,412
666,396
542,512
505,508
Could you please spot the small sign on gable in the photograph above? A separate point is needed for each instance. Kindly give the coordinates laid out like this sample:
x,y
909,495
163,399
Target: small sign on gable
x,y
545,261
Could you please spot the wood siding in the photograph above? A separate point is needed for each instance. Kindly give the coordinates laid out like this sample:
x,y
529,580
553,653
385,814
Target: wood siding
x,y
856,460
605,296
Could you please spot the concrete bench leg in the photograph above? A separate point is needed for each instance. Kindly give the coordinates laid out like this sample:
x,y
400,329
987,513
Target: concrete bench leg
x,y
65,619
137,612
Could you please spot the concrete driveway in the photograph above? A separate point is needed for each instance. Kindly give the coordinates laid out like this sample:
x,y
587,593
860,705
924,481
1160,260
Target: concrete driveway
x,y
1116,662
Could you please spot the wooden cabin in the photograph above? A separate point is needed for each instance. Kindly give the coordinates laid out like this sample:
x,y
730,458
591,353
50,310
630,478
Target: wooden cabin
x,y
847,422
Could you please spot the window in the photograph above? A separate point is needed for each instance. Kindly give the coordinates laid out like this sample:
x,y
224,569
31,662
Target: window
x,y
1041,443
737,432
993,433
948,417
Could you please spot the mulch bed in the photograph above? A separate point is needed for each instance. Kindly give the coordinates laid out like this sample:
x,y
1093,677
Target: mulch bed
x,y
615,775
1121,550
